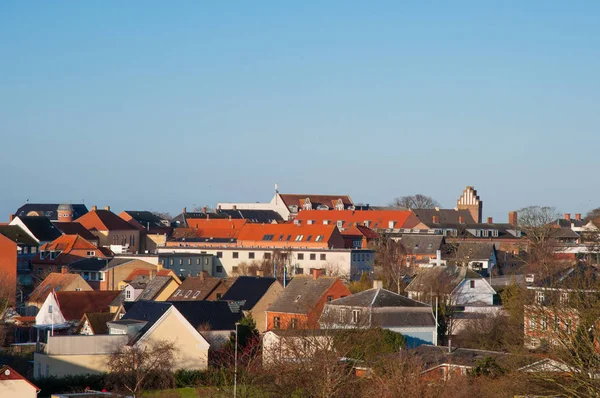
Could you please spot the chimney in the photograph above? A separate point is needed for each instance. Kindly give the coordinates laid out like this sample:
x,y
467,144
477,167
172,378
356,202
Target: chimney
x,y
513,218
184,210
234,207
578,216
203,275
568,216
11,217
436,219
260,273
461,220
64,270
203,209
94,208
490,220
152,273
377,284
107,208
316,273
219,207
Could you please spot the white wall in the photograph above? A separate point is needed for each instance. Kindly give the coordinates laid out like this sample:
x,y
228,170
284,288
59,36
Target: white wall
x,y
481,293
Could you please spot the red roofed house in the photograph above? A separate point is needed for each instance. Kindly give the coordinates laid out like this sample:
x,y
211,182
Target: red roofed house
x,y
54,282
111,230
374,219
13,384
301,303
64,250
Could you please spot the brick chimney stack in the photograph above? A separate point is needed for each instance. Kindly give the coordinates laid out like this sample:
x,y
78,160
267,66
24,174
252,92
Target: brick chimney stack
x,y
94,208
317,272
436,219
107,208
568,216
461,220
64,270
578,216
513,218
490,220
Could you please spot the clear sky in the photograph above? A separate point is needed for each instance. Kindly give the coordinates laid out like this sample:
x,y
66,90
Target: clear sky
x,y
159,105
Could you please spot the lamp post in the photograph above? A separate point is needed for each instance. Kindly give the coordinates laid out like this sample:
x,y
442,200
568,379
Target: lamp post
x,y
235,366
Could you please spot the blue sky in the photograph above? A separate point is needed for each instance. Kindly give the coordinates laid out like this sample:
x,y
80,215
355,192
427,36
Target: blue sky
x,y
159,105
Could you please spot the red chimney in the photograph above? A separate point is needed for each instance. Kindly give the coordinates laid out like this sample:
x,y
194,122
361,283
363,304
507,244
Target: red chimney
x,y
490,220
64,270
578,216
513,218
94,208
436,219
567,216
11,217
316,273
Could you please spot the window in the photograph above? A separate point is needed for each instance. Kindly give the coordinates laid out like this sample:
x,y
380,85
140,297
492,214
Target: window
x,y
310,222
299,238
544,323
556,322
276,322
219,254
299,271
319,238
280,238
340,224
300,256
77,289
198,261
251,255
205,260
326,222
540,297
268,237
342,315
177,293
567,326
564,297
308,238
128,294
313,256
219,269
219,295
353,256
235,269
293,323
236,255
189,261
329,298
101,276
472,284
391,224
33,249
355,316
323,256
188,293
180,261
172,261
267,256
196,294
289,237
532,324
297,298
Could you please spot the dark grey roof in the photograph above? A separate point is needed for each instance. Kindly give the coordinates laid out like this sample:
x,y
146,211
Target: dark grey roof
x,y
581,276
403,317
75,228
248,289
42,228
432,356
564,223
421,244
17,235
255,216
153,287
302,294
141,282
147,218
475,250
49,210
217,315
377,298
445,277
147,311
89,264
446,216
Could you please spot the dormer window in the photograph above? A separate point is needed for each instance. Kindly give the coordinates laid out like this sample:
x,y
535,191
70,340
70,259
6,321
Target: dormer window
x,y
188,293
340,224
326,222
339,205
91,253
391,224
310,222
495,233
299,238
196,294
319,238
307,205
484,233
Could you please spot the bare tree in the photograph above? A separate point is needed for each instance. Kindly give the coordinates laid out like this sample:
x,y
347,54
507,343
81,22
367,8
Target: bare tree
x,y
390,261
417,201
134,368
163,215
592,214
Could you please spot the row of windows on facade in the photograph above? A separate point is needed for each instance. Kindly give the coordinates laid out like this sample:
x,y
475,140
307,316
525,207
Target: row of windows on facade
x,y
540,297
189,261
55,253
122,240
27,250
308,206
298,238
534,325
180,293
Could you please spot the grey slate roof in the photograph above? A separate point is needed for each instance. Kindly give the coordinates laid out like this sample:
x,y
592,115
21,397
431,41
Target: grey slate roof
x,y
217,315
302,294
248,289
147,218
446,216
476,250
446,277
377,298
42,228
49,210
17,235
147,311
154,287
421,244
89,264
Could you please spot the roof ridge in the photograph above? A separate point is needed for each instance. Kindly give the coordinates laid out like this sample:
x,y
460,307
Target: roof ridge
x,y
375,297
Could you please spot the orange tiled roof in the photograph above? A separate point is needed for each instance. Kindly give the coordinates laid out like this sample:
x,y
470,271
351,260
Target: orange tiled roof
x,y
286,235
74,304
53,281
67,243
360,231
376,219
104,220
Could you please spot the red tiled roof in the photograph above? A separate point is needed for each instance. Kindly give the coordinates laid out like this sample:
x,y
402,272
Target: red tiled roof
x,y
8,373
104,220
360,231
74,304
50,283
215,228
377,219
67,243
286,235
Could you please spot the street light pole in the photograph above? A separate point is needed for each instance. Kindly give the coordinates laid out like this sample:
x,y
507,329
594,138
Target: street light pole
x,y
235,366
